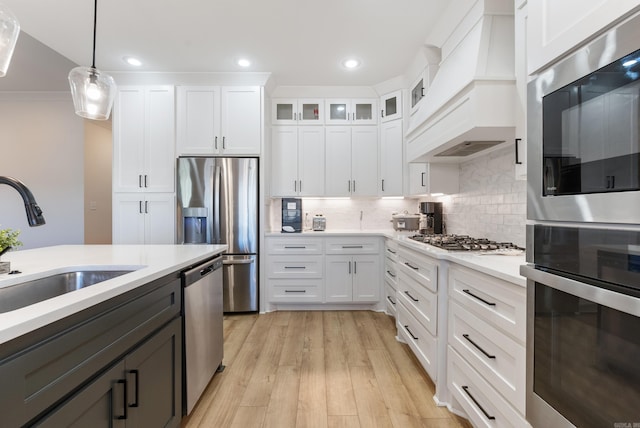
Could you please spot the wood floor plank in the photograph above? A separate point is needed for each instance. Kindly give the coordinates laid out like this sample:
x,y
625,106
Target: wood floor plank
x,y
402,420
393,391
369,335
372,411
343,421
249,417
294,340
312,402
314,331
340,398
356,353
283,405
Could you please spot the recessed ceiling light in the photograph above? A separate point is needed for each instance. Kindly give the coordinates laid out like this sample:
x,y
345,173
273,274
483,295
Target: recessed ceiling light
x,y
242,62
132,61
351,63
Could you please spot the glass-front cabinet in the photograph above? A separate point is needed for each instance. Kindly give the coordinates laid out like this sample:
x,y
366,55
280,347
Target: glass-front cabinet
x,y
418,90
351,111
293,111
391,106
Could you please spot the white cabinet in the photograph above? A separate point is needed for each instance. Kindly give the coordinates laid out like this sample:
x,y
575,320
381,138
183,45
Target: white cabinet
x,y
297,161
391,159
293,111
352,278
214,120
557,27
144,139
351,161
391,106
418,90
351,111
430,178
521,23
147,218
391,275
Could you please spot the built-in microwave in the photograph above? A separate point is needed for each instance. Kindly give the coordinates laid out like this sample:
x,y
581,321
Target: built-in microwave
x,y
584,133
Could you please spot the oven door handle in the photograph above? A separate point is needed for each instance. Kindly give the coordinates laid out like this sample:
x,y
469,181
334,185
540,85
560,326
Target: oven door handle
x,y
602,296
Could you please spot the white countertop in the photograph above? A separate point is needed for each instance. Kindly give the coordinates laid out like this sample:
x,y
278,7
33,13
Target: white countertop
x,y
506,267
150,261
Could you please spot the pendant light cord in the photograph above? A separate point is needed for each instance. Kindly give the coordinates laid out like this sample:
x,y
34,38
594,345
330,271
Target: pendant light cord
x,y
95,20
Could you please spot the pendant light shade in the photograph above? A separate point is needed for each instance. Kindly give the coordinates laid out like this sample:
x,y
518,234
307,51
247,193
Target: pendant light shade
x,y
9,31
93,91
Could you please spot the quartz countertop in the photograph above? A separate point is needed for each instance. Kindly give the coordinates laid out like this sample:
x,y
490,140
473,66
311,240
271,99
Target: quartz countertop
x,y
506,267
149,261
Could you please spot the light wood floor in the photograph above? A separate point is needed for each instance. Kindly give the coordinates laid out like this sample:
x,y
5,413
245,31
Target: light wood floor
x,y
318,369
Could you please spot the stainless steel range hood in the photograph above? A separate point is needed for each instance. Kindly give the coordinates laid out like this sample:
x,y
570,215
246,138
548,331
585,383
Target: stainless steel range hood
x,y
470,105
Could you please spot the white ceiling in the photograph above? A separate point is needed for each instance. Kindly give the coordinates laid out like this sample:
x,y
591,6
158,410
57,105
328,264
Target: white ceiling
x,y
301,42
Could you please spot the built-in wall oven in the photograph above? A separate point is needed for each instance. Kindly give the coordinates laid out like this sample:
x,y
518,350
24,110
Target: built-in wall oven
x,y
583,236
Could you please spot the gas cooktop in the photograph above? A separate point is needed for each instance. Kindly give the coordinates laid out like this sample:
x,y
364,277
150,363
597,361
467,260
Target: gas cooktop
x,y
467,243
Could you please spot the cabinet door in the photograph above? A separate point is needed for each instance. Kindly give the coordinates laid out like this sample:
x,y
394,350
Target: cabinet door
x,y
241,120
159,142
284,161
417,92
338,112
364,111
311,159
284,111
418,179
366,278
100,404
311,111
391,107
198,127
520,56
128,218
364,161
338,279
338,167
128,140
154,373
391,158
159,218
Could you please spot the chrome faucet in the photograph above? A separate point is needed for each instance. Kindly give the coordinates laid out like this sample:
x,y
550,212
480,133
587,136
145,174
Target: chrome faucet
x,y
34,213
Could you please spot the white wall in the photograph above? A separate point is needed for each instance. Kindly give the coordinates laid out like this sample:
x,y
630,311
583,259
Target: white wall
x,y
97,181
491,203
41,144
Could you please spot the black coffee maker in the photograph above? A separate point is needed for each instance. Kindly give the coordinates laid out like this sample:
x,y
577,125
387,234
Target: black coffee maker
x,y
433,220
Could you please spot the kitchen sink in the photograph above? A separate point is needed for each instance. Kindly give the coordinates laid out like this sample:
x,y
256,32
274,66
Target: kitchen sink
x,y
34,291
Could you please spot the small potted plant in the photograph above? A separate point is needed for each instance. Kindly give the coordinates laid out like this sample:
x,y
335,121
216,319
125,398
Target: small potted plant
x,y
8,240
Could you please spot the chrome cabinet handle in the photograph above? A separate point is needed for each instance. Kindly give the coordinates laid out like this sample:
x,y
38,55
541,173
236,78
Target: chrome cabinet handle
x,y
487,415
295,247
422,179
223,143
216,143
295,267
486,302
355,268
383,184
295,291
145,180
295,185
406,327
300,185
411,297
140,207
466,336
140,180
146,207
352,246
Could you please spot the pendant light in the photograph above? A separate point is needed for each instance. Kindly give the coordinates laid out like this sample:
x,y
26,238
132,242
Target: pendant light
x,y
9,31
93,91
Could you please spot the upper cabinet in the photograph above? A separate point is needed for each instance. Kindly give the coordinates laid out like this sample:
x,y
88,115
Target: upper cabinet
x,y
144,139
294,111
557,27
418,89
214,120
391,106
391,159
429,178
351,112
520,39
351,161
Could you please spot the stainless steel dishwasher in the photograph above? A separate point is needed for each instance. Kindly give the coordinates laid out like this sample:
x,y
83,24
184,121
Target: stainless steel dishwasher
x,y
203,341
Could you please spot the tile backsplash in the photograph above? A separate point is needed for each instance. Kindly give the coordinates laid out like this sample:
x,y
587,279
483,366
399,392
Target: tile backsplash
x,y
491,203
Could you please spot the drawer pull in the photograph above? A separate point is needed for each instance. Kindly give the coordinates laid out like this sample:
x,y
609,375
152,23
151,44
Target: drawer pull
x,y
291,247
406,327
391,251
411,266
411,297
488,416
126,404
295,291
352,246
295,267
479,298
391,300
391,274
466,336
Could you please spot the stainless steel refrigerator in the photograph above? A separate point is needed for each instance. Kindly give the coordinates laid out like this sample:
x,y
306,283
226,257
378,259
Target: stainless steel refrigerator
x,y
218,204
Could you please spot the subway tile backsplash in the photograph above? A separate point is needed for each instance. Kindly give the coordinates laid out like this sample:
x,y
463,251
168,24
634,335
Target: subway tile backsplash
x,y
491,203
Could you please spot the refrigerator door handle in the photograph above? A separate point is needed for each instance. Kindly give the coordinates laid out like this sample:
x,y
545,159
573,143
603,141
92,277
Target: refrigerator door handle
x,y
217,187
238,262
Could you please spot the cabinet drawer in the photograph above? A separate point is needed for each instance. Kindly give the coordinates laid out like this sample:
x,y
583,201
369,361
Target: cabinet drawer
x,y
294,246
391,249
496,356
421,268
498,302
295,290
418,338
294,267
477,398
390,299
352,245
391,273
422,303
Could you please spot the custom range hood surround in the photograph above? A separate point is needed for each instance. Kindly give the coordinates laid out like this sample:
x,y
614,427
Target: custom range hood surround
x,y
470,105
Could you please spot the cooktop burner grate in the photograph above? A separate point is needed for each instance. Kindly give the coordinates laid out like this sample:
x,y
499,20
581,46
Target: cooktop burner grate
x,y
464,243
